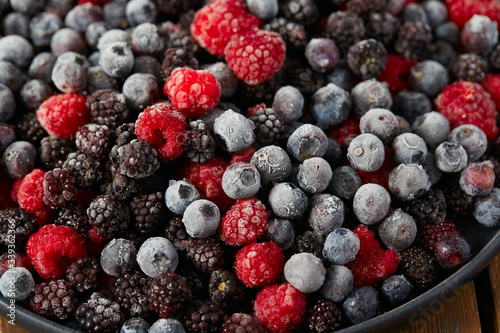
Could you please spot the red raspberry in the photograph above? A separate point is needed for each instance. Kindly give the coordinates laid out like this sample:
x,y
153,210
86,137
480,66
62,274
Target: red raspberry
x,y
52,248
244,155
216,22
280,307
163,127
430,234
208,180
244,222
465,102
372,264
255,56
258,107
397,75
62,115
259,264
192,91
491,83
380,176
341,131
30,196
460,11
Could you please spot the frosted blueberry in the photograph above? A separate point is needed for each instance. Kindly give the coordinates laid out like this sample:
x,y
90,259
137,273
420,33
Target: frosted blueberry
x,y
408,181
366,152
113,36
307,141
135,325
201,218
326,214
263,9
338,283
314,175
157,256
322,54
118,256
19,159
370,94
140,90
480,34
288,103
371,203
433,127
472,138
341,246
273,164
140,11
241,180
409,148
381,123
281,232
117,60
179,195
17,50
287,201
305,272
362,304
397,289
330,105
345,182
145,39
436,12
169,325
16,284
429,77
398,230
233,131
487,209
70,72
450,157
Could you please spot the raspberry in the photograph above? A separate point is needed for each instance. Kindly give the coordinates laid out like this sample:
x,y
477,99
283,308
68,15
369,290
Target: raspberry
x,y
466,102
208,180
280,307
491,83
430,234
397,75
381,175
244,222
52,248
341,131
216,22
61,115
255,56
460,11
372,264
244,155
192,91
30,196
162,126
259,264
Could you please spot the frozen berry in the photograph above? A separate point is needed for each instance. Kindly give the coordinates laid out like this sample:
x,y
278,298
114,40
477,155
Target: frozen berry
x,y
201,218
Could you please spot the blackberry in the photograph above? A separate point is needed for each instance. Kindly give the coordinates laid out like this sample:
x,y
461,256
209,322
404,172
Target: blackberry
x,y
121,187
205,253
108,215
367,58
137,159
419,266
196,280
84,273
469,67
306,80
94,140
54,151
178,37
430,207
201,144
247,95
99,314
149,211
86,170
308,242
414,40
54,298
175,231
345,28
294,34
323,317
124,134
383,27
29,129
430,234
225,288
177,7
301,11
59,188
268,127
108,107
131,292
23,224
365,7
206,316
177,57
242,322
168,293
74,217
458,202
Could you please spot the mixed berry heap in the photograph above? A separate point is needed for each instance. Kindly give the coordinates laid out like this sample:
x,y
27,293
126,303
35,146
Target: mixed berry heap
x,y
243,165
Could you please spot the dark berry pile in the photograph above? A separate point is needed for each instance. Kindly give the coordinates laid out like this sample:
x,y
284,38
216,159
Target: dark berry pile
x,y
242,165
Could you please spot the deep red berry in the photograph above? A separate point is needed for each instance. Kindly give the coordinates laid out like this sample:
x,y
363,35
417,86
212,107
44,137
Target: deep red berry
x,y
430,234
280,307
380,176
258,107
15,188
255,56
216,22
464,102
460,11
9,260
491,83
6,191
30,196
94,2
341,131
52,248
244,222
192,91
478,178
372,264
259,264
61,115
452,251
163,127
244,155
397,73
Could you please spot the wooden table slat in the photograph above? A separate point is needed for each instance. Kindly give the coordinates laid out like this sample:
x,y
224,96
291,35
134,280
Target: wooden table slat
x,y
494,270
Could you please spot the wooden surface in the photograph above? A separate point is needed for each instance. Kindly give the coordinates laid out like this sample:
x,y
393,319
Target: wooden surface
x,y
457,314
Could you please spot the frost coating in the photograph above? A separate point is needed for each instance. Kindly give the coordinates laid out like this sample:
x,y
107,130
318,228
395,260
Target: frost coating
x,y
233,131
118,256
408,181
366,152
179,195
487,209
157,256
371,203
327,213
398,230
305,272
273,163
287,201
201,218
338,283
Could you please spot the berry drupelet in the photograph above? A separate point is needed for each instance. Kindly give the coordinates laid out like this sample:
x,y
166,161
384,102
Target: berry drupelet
x,y
53,151
225,288
54,298
205,253
205,316
168,293
429,208
109,216
469,67
419,265
84,273
149,211
268,126
413,40
99,314
130,291
323,317
201,143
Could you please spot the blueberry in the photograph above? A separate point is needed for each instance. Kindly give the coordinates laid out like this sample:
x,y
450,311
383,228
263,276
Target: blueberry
x,y
16,284
381,123
338,283
287,201
326,213
11,76
411,104
341,246
135,325
70,72
43,27
148,65
27,7
472,138
145,39
233,131
334,153
59,7
79,17
263,9
140,90
305,272
288,103
396,289
169,325
314,175
113,36
241,180
17,50
114,14
409,148
19,159
398,230
330,105
449,32
366,152
16,24
432,170
371,203
341,75
370,94
345,182
33,93
7,103
436,12
117,60
225,76
65,40
140,11
408,181
201,218
281,232
118,256
93,32
487,209
157,256
362,304
415,12
443,53
480,35
98,80
450,157
429,77
7,136
273,164
478,178
452,251
404,125
322,54
433,127
307,141
179,195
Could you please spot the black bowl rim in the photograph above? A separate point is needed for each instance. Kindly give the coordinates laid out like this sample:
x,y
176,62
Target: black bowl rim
x,y
409,312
